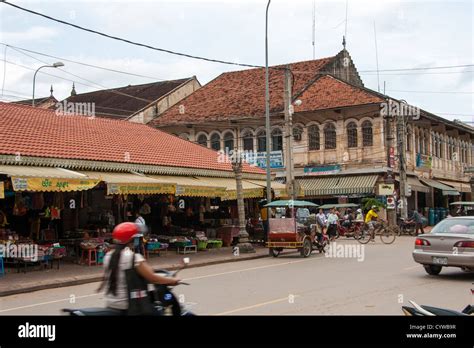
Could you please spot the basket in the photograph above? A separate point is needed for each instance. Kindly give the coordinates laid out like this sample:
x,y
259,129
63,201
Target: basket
x,y
202,245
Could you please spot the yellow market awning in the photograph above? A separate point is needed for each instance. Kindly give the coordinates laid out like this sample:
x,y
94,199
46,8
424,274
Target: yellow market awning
x,y
278,188
128,183
250,190
189,186
47,179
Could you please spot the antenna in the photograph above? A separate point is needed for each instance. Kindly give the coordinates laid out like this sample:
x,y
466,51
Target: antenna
x,y
314,27
377,59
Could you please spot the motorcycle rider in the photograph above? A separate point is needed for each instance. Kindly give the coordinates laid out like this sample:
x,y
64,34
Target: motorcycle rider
x,y
118,260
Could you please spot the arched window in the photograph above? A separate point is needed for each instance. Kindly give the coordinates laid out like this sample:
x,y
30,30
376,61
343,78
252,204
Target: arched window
x,y
313,138
426,141
248,141
277,140
261,141
367,134
216,142
329,136
351,134
408,141
202,140
417,141
228,141
297,133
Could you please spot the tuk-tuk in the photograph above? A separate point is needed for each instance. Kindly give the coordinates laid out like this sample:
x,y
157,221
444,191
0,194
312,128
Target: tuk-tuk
x,y
465,208
285,232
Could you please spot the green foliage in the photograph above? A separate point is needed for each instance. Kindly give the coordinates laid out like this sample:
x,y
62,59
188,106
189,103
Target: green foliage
x,y
367,203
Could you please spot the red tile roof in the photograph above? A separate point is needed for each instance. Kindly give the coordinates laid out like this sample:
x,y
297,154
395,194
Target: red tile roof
x,y
41,133
122,102
240,93
328,92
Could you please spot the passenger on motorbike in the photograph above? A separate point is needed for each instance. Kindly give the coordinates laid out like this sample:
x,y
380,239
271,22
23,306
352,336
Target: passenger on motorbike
x,y
118,260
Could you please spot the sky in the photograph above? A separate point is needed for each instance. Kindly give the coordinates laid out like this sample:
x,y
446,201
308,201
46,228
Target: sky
x,y
409,35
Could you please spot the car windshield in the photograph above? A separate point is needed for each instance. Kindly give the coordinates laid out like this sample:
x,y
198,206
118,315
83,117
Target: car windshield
x,y
463,226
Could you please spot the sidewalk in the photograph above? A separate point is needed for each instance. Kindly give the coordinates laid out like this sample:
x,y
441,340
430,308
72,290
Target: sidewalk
x,y
71,274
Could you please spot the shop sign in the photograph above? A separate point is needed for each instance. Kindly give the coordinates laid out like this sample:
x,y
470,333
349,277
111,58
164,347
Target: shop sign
x,y
52,184
386,189
260,159
2,190
199,191
390,203
321,170
423,161
143,189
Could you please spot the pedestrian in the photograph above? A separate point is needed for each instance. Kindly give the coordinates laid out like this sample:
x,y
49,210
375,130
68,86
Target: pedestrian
x,y
264,218
418,219
332,224
139,219
321,222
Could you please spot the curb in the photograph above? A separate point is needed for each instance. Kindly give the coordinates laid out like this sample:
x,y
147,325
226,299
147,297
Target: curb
x,y
95,279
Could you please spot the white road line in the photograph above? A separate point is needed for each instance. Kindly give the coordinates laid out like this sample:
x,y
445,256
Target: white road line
x,y
46,303
256,305
252,268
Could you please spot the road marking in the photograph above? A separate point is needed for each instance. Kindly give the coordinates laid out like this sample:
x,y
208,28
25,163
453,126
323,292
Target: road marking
x,y
251,269
256,305
45,303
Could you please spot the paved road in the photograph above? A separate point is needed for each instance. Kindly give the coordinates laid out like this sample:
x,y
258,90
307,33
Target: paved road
x,y
290,285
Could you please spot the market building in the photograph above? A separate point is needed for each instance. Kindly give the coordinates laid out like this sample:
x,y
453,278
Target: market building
x,y
339,134
70,179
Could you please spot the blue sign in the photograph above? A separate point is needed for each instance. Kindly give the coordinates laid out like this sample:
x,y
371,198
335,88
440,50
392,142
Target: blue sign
x,y
260,159
320,170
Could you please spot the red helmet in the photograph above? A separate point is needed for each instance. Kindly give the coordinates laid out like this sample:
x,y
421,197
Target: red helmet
x,y
125,231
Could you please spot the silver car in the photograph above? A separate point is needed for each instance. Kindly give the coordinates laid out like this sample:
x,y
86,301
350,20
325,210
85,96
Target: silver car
x,y
449,244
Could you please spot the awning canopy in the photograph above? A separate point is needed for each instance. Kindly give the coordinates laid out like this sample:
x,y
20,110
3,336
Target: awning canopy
x,y
192,187
339,185
251,190
47,179
460,186
129,183
446,190
415,184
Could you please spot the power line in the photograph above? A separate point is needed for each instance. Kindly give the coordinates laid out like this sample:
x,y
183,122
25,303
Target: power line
x,y
440,92
84,64
131,42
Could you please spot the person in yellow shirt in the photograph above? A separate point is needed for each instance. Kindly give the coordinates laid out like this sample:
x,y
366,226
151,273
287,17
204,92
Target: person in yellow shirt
x,y
371,220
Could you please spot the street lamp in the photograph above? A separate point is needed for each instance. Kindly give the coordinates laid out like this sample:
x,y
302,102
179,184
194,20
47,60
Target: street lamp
x,y
55,65
267,110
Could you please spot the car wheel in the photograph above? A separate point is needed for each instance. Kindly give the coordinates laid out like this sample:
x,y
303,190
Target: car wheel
x,y
432,269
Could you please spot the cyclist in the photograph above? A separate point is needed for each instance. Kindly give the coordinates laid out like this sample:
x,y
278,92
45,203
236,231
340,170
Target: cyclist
x,y
371,220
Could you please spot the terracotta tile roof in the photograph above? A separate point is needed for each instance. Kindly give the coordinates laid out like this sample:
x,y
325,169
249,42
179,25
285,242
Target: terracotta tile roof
x,y
117,103
44,103
41,133
240,93
328,92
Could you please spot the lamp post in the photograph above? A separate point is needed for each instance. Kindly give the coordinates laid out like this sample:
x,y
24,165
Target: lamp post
x,y
55,65
267,110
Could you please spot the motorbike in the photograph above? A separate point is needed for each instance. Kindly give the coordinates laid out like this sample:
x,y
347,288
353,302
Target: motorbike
x,y
162,297
349,230
405,226
422,310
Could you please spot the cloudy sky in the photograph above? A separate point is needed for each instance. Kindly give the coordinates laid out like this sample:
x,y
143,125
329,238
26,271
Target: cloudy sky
x,y
410,35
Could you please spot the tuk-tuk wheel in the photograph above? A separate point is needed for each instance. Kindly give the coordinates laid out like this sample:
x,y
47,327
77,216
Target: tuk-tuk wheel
x,y
307,248
274,252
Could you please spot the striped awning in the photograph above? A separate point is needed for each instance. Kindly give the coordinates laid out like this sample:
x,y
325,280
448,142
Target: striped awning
x,y
415,184
339,185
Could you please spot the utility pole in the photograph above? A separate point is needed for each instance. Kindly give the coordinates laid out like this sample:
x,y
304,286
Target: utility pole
x,y
243,244
290,177
391,213
402,135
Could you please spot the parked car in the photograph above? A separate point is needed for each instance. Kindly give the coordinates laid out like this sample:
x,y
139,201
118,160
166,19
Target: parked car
x,y
449,244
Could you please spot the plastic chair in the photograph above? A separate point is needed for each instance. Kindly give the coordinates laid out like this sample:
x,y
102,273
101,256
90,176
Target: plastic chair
x,y
89,257
2,268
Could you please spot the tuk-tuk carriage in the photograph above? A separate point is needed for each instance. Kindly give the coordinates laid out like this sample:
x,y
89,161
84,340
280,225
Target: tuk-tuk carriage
x,y
285,232
465,208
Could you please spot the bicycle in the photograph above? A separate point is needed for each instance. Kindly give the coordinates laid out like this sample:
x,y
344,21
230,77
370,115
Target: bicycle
x,y
387,234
